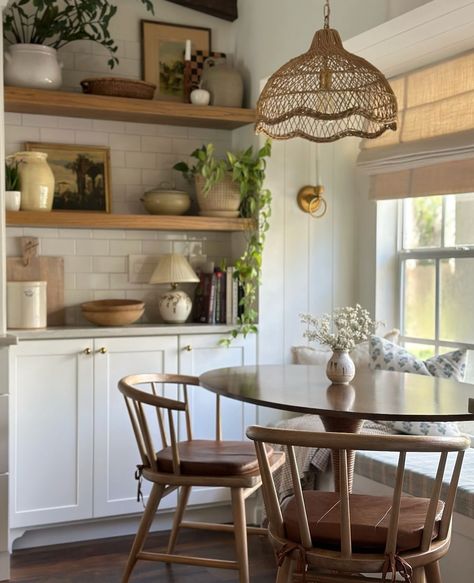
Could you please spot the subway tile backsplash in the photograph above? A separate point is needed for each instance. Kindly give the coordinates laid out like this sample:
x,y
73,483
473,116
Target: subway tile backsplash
x,y
96,262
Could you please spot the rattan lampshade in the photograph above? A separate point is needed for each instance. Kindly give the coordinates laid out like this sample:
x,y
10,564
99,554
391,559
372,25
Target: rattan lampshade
x,y
326,94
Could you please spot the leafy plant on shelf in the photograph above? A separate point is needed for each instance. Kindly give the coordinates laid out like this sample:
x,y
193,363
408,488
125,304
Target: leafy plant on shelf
x,y
248,171
55,23
12,175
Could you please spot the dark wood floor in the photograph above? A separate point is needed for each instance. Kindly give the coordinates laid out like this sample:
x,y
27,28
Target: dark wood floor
x,y
102,561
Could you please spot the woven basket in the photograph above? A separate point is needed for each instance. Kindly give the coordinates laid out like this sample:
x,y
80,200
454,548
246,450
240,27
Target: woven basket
x,y
119,87
222,200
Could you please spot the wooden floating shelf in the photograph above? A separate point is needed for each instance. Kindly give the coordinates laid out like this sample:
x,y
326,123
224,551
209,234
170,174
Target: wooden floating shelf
x,y
40,101
92,220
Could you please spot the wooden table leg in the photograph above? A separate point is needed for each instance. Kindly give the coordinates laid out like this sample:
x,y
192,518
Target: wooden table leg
x,y
342,425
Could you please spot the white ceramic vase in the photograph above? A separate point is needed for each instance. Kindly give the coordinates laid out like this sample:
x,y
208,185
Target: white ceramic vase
x,y
37,181
30,65
223,82
340,368
175,306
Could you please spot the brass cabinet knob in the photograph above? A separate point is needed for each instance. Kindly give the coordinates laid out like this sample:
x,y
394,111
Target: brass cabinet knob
x,y
87,351
188,347
102,350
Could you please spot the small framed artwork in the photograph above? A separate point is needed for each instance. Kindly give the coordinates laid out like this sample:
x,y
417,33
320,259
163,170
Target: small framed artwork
x,y
81,174
163,53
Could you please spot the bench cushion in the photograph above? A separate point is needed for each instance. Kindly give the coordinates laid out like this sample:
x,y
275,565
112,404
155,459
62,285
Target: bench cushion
x,y
420,474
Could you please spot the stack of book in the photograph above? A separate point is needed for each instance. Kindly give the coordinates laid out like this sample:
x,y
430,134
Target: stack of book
x,y
216,300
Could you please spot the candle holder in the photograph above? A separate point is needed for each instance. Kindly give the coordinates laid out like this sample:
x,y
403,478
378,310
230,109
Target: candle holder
x,y
187,81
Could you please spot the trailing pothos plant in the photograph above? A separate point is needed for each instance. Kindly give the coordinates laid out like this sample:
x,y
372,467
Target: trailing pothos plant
x,y
248,171
55,23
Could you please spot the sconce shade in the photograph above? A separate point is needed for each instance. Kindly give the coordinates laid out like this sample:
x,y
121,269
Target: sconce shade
x,y
173,268
326,94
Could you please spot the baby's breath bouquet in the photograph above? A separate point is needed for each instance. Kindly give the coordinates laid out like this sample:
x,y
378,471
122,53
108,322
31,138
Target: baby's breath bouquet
x,y
342,329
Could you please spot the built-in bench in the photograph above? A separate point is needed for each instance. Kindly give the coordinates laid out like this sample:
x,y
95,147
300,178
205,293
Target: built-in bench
x,y
420,471
375,474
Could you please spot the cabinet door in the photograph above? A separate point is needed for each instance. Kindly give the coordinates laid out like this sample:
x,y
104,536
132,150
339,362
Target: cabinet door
x,y
51,432
200,353
115,451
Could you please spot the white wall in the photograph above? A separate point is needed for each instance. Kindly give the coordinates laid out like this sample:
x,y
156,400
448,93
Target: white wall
x,y
270,32
87,59
308,263
313,265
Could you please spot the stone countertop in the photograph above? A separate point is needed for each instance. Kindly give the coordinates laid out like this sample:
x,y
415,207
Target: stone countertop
x,y
61,332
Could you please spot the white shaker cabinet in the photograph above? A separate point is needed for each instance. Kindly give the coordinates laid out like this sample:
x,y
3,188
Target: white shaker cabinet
x,y
197,354
51,432
72,449
4,402
115,450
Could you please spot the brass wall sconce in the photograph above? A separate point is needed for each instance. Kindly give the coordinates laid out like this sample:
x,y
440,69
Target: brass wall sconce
x,y
310,200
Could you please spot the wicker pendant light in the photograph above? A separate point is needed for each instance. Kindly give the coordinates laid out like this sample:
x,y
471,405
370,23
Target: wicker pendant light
x,y
326,94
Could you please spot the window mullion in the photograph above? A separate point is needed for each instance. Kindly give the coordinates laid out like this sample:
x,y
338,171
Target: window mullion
x,y
437,304
443,221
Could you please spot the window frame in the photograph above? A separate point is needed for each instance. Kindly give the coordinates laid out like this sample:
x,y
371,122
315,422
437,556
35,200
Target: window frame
x,y
435,254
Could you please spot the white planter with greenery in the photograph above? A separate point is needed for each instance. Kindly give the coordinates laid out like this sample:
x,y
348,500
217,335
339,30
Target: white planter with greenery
x,y
31,65
50,25
12,185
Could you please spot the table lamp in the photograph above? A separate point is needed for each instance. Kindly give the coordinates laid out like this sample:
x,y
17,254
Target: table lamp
x,y
174,305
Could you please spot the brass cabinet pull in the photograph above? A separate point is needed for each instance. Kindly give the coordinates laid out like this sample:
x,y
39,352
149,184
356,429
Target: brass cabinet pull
x,y
188,347
87,350
102,350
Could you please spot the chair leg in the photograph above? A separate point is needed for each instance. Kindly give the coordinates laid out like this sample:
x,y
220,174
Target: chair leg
x,y
240,533
143,529
418,575
178,516
433,573
285,571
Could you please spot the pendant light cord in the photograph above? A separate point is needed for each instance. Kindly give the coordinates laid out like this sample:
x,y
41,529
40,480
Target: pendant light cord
x,y
327,12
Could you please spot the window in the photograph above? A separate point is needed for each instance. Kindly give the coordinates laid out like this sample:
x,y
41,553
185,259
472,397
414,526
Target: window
x,y
437,275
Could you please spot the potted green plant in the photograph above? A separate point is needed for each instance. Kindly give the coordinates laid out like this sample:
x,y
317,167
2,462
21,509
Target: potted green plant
x,y
35,30
12,185
246,171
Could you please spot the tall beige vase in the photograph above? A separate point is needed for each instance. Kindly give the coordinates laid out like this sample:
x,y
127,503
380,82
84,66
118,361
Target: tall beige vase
x,y
37,181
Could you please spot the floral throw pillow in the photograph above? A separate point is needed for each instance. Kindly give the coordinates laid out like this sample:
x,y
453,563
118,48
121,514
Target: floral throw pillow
x,y
388,356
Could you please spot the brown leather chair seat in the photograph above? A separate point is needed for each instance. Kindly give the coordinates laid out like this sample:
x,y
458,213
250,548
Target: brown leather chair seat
x,y
370,516
201,457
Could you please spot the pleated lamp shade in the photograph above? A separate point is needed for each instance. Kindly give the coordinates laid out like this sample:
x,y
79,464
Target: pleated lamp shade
x,y
173,268
174,305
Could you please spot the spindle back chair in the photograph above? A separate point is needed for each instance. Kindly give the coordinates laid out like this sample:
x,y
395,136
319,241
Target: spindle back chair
x,y
343,535
169,463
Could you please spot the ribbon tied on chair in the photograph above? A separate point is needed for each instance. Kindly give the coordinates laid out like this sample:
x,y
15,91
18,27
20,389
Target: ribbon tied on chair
x,y
302,562
395,564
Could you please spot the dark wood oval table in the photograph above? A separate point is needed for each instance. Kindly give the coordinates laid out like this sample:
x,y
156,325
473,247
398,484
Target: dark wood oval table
x,y
379,394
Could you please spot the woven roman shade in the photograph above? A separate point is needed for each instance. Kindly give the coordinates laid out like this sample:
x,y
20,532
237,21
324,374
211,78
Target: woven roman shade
x,y
432,152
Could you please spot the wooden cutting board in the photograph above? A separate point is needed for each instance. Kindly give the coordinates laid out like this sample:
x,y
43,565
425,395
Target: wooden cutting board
x,y
49,269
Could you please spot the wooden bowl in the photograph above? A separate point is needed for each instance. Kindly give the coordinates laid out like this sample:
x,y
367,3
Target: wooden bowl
x,y
113,312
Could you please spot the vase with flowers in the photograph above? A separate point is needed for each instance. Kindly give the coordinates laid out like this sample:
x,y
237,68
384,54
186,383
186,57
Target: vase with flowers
x,y
341,331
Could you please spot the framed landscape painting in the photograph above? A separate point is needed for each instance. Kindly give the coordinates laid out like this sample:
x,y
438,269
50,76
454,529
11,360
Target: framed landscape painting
x,y
163,50
81,174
